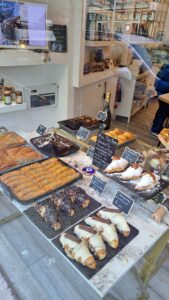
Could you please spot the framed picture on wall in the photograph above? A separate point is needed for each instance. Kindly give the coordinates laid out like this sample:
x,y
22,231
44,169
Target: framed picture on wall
x,y
58,42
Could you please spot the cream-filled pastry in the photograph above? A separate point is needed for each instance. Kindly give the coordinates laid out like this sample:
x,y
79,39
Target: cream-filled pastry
x,y
77,250
147,181
105,228
118,164
117,218
94,240
132,173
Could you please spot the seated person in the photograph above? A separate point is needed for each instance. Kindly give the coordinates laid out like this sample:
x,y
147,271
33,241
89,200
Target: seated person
x,y
162,87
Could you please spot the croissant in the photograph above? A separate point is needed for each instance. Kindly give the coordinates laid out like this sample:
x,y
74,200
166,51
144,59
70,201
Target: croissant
x,y
77,250
116,217
94,240
106,229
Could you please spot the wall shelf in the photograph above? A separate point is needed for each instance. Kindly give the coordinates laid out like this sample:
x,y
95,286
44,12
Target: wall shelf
x,y
96,76
10,108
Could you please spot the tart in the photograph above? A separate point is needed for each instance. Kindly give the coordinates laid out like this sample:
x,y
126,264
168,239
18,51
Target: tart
x,y
118,164
132,173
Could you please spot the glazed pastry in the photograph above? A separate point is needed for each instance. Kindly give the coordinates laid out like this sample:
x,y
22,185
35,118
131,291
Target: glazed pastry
x,y
63,203
132,173
147,181
105,228
77,250
117,218
78,195
94,240
118,164
10,139
49,214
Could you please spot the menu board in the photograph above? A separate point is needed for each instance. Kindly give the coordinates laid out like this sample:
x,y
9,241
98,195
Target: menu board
x,y
58,41
104,150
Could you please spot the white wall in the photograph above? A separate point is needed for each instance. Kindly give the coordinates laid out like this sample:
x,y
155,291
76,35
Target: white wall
x,y
60,12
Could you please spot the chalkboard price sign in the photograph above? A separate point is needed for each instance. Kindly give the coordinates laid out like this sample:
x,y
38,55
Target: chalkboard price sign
x,y
130,155
82,133
98,184
59,38
104,150
123,202
41,129
102,116
90,152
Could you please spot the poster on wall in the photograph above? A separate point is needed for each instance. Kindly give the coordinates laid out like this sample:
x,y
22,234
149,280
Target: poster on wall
x,y
58,41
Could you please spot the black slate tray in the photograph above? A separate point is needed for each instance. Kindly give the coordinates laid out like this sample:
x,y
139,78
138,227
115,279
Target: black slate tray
x,y
123,241
66,221
50,150
62,125
130,185
24,164
12,196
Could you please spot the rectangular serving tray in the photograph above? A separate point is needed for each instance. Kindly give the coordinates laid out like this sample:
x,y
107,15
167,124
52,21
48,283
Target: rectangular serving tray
x,y
7,191
88,273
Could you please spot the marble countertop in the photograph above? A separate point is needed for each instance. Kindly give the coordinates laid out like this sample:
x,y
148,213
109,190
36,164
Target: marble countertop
x,y
140,217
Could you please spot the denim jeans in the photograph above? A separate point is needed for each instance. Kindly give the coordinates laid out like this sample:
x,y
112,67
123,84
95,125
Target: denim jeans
x,y
161,115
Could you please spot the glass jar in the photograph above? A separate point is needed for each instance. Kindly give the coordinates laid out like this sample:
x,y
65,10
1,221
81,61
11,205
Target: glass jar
x,y
18,97
7,97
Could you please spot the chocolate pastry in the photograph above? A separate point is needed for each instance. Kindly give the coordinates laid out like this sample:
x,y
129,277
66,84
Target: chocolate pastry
x,y
78,195
63,204
49,213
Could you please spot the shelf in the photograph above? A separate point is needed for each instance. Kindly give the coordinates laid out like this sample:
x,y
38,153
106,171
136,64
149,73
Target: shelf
x,y
10,108
96,76
136,109
98,43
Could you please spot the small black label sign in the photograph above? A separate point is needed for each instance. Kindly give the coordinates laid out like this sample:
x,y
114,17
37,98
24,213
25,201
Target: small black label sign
x,y
104,150
41,129
82,133
90,152
130,155
98,184
166,172
102,116
123,202
159,198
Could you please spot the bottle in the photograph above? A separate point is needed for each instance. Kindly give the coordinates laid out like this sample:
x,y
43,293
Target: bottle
x,y
106,123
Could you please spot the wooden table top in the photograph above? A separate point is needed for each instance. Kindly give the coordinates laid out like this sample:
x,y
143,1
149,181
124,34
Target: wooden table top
x,y
164,98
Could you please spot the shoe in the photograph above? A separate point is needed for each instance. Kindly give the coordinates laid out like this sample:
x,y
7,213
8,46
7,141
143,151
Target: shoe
x,y
154,133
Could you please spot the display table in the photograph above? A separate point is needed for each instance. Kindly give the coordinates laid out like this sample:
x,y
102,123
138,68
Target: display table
x,y
152,236
164,98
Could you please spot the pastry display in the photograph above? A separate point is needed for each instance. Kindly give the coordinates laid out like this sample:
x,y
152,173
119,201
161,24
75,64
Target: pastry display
x,y
95,241
10,139
132,173
117,218
84,121
164,137
147,181
118,164
77,250
38,179
120,135
105,228
54,144
63,204
50,214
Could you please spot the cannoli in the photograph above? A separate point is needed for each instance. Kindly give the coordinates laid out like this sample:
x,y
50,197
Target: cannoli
x,y
77,250
132,173
105,228
147,181
118,164
94,240
117,218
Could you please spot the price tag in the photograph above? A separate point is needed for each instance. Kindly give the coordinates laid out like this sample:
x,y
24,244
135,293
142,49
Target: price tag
x,y
102,116
41,129
123,202
104,150
90,152
166,204
130,155
166,173
98,184
82,133
159,198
